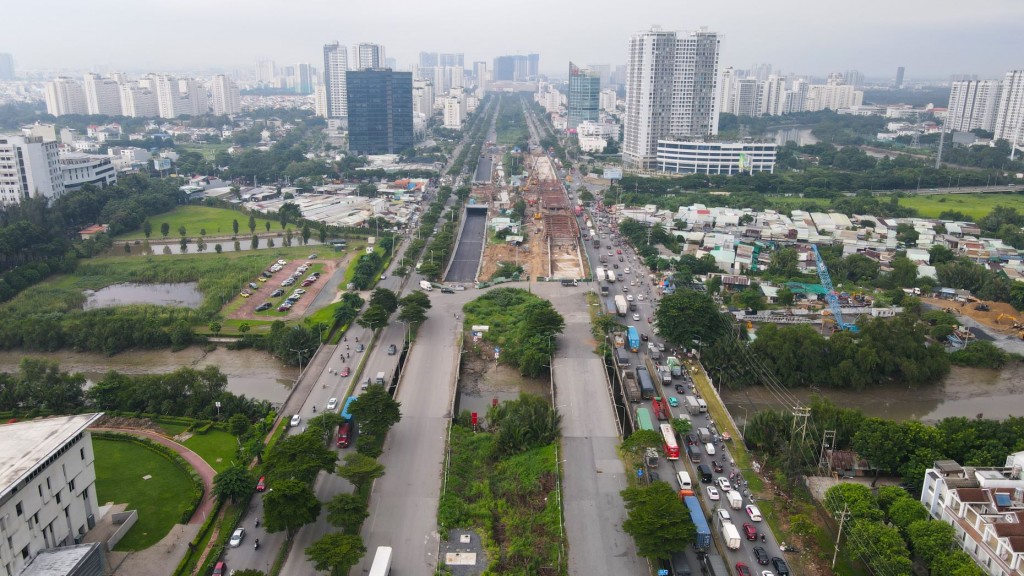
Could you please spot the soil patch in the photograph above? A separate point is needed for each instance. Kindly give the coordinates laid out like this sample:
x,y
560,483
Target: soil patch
x,y
989,318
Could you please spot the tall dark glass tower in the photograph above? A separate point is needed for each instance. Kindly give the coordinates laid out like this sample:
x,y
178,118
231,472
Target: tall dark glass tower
x,y
379,111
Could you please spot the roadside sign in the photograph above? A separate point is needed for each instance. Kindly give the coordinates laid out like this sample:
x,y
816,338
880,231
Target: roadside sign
x,y
640,473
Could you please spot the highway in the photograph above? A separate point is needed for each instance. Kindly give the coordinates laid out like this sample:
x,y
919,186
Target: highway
x,y
466,261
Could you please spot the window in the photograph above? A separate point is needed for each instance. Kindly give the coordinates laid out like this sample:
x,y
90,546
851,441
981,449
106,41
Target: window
x,y
58,497
24,553
81,452
71,485
18,509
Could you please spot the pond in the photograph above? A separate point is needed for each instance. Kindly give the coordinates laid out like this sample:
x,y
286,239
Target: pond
x,y
185,294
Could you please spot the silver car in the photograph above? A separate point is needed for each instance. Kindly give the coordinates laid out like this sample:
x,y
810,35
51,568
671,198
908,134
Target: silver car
x,y
236,538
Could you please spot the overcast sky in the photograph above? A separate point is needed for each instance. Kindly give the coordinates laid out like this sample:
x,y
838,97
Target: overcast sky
x,y
931,38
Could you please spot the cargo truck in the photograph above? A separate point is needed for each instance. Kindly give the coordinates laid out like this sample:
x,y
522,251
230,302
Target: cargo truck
x,y
633,338
702,405
646,386
666,375
622,357
735,499
731,536
703,540
611,276
673,364
704,434
691,405
599,274
660,408
620,305
629,385
604,289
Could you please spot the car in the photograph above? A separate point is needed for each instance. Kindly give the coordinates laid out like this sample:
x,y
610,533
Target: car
x,y
761,555
288,282
307,283
742,569
312,256
691,439
716,466
673,401
264,306
629,298
245,293
296,275
618,251
254,286
644,337
360,348
262,484
302,269
781,568
625,288
284,307
220,569
723,483
282,262
680,389
275,267
277,293
447,291
266,274
712,493
636,317
767,573
332,404
345,371
632,282
616,266
295,420
750,531
392,349
640,297
298,291
236,537
627,269
754,512
383,276
261,279
723,515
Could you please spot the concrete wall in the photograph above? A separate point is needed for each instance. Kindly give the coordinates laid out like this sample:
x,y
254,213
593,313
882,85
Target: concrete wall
x,y
126,520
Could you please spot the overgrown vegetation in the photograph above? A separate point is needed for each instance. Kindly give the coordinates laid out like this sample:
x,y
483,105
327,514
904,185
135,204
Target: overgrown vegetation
x,y
521,324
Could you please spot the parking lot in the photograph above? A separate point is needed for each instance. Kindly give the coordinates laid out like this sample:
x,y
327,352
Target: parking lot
x,y
262,293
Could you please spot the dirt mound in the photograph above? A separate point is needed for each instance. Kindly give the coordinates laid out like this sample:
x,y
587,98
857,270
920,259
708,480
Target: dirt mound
x,y
989,318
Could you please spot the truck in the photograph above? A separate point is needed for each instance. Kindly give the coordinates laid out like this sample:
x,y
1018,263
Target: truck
x,y
666,375
651,457
633,337
735,499
646,387
674,366
653,351
599,274
702,405
379,379
704,435
731,536
703,540
604,289
660,408
691,405
631,390
622,357
611,276
620,305
620,339
426,286
579,210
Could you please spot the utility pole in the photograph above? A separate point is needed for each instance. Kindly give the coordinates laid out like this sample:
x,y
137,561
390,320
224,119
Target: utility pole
x,y
842,520
828,440
938,157
800,416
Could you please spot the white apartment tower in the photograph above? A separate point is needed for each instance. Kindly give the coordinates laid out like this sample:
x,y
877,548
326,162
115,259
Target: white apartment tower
x,y
102,95
671,90
29,166
138,101
65,96
1010,114
335,67
369,56
195,99
454,112
973,105
225,96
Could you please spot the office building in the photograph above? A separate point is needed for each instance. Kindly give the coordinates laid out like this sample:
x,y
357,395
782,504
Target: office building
x,y
454,112
335,69
985,507
1010,113
608,99
6,67
65,96
138,101
899,77
368,56
302,80
604,71
671,90
102,95
973,105
379,107
78,169
226,99
699,157
516,68
266,71
584,96
47,487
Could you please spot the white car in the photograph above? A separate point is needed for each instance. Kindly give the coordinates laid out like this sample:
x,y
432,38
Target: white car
x,y
627,270
640,297
298,291
636,317
767,573
712,493
295,421
723,484
629,297
282,262
383,276
236,538
332,404
754,513
723,515
632,282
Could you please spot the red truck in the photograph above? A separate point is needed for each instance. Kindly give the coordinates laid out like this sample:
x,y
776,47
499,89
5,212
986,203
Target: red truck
x,y
660,408
344,434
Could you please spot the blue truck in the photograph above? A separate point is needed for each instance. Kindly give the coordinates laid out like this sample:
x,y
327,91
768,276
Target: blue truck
x,y
633,337
345,410
703,540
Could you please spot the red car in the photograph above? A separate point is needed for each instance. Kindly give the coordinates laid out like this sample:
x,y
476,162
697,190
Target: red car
x,y
742,570
262,484
345,371
750,531
220,569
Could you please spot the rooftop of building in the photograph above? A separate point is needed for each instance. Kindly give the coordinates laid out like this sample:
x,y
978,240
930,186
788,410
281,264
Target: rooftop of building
x,y
58,561
23,445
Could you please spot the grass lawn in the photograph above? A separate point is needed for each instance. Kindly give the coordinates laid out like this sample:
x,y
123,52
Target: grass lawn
x,y
120,467
209,151
973,205
171,428
216,447
216,221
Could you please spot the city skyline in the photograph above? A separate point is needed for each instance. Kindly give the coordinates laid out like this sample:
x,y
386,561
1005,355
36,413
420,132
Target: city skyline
x,y
779,33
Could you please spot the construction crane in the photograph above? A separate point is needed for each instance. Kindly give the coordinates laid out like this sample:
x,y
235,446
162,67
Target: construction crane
x,y
830,293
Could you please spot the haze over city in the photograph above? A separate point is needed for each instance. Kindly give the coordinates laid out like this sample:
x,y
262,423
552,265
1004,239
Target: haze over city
x,y
932,40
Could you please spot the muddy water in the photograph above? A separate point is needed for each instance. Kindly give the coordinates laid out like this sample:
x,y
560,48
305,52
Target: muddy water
x,y
181,294
481,384
253,373
966,392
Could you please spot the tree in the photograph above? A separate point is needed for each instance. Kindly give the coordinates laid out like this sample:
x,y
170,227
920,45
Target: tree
x,y
147,228
856,499
384,298
234,226
904,272
322,233
347,511
412,313
238,425
686,316
786,296
905,512
367,189
360,469
252,224
939,254
299,457
657,520
165,229
930,539
306,233
290,506
215,327
880,546
752,298
883,443
336,552
234,483
418,298
376,411
784,263
681,426
181,230
218,248
324,425
375,317
255,242
266,225
641,440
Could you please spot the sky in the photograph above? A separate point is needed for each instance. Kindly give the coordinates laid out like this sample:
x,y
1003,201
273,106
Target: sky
x,y
932,39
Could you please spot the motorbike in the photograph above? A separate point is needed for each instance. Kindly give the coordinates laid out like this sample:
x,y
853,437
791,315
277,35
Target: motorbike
x,y
257,522
762,538
256,544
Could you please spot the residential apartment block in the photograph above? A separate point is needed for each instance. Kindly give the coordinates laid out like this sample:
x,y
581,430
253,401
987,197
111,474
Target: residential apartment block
x,y
1010,114
29,166
973,105
226,99
65,96
335,68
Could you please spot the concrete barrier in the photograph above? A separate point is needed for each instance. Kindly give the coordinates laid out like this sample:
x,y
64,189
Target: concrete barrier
x,y
126,519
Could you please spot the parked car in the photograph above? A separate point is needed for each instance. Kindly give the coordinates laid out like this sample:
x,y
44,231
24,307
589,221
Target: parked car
x,y
284,307
383,276
282,262
307,282
264,306
312,256
447,291
220,569
332,404
299,291
712,493
296,419
261,279
262,484
288,282
245,293
644,337
236,537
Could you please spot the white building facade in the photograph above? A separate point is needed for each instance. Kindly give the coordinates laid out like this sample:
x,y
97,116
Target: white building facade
x,y
79,169
226,99
102,95
696,157
973,105
65,96
335,67
29,166
1010,114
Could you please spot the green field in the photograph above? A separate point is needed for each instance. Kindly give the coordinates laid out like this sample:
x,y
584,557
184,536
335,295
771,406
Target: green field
x,y
973,205
218,448
160,500
209,151
216,221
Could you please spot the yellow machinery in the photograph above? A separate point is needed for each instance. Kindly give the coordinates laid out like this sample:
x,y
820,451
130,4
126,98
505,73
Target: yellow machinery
x,y
1016,323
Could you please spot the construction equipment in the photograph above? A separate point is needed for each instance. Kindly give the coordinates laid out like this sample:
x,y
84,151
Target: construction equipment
x,y
981,307
830,294
1016,323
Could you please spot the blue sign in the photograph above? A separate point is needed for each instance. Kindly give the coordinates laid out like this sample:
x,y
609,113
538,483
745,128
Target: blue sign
x,y
497,350
662,572
640,473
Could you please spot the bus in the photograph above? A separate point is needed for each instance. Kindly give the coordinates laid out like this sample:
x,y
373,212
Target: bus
x,y
646,386
381,562
643,418
671,447
345,411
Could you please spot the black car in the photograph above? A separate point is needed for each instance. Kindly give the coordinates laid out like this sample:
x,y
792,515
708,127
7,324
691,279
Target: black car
x,y
691,439
266,274
392,349
716,465
781,568
264,306
277,293
761,555
680,389
447,291
644,337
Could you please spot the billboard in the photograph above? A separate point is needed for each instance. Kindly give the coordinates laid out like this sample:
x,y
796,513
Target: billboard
x,y
161,163
612,174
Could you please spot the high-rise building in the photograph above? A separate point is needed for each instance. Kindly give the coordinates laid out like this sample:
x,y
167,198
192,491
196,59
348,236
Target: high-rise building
x,y
369,56
454,59
302,80
6,67
671,89
899,77
423,97
516,68
608,98
454,112
973,105
335,68
854,78
194,98
65,96
379,111
102,95
604,71
266,71
320,101
29,166
226,99
480,78
138,101
428,59
1010,114
584,96
772,96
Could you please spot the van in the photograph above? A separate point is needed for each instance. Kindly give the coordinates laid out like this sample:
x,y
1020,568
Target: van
x,y
710,449
693,451
704,472
683,477
703,405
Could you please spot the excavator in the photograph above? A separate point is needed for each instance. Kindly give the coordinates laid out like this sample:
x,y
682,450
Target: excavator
x,y
1016,324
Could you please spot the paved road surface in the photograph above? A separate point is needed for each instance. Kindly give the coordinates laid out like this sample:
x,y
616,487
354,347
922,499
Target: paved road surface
x,y
466,261
483,170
